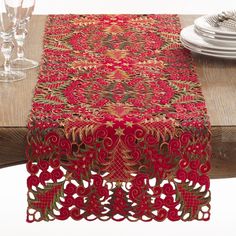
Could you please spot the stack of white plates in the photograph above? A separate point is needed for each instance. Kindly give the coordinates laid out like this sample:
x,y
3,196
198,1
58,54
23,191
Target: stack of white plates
x,y
205,38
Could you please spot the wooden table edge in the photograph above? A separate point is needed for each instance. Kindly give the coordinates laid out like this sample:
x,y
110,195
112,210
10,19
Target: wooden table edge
x,y
223,163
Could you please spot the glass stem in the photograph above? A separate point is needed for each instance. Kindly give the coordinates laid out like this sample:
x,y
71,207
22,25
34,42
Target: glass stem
x,y
7,47
20,35
7,66
20,49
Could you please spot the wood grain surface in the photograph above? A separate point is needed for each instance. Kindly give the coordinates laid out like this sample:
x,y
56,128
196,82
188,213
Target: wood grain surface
x,y
217,76
16,98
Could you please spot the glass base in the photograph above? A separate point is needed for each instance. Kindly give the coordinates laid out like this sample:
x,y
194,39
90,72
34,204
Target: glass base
x,y
23,64
11,76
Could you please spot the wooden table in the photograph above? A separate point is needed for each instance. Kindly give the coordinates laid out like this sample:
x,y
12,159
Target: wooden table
x,y
217,76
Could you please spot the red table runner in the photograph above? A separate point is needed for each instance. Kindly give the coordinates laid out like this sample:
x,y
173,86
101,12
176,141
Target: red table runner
x,y
119,128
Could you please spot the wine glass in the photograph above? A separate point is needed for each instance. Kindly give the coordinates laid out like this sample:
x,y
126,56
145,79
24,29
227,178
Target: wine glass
x,y
21,62
7,27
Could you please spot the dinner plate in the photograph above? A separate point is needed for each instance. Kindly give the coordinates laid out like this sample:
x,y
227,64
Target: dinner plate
x,y
213,35
198,49
207,48
215,40
223,52
189,35
202,23
203,52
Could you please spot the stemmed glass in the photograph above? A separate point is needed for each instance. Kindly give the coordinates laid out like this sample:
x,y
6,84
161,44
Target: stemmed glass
x,y
21,62
7,27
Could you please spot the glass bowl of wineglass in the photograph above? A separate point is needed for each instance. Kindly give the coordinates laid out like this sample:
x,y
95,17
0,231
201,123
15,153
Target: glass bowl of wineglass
x,y
7,28
23,17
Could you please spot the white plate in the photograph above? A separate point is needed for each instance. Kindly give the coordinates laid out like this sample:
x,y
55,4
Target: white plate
x,y
207,49
213,35
189,35
207,53
202,24
204,50
215,40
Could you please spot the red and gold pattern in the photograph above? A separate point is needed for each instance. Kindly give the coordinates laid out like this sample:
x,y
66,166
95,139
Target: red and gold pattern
x,y
119,128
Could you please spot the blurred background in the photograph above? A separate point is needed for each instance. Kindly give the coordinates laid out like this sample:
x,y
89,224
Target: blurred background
x,y
134,6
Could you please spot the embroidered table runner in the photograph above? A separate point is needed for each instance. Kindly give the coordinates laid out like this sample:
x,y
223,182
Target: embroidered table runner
x,y
118,128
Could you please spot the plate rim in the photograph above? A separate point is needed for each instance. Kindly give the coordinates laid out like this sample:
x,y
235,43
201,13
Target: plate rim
x,y
206,50
209,45
211,55
208,54
214,36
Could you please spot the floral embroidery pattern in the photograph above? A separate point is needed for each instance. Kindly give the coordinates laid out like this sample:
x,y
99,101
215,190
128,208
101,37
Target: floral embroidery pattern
x,y
119,127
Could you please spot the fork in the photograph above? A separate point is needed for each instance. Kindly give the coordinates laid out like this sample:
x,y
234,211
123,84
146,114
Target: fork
x,y
227,15
225,19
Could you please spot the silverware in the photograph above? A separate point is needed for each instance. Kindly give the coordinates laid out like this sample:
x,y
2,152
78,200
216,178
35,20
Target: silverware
x,y
225,19
230,24
212,20
227,15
